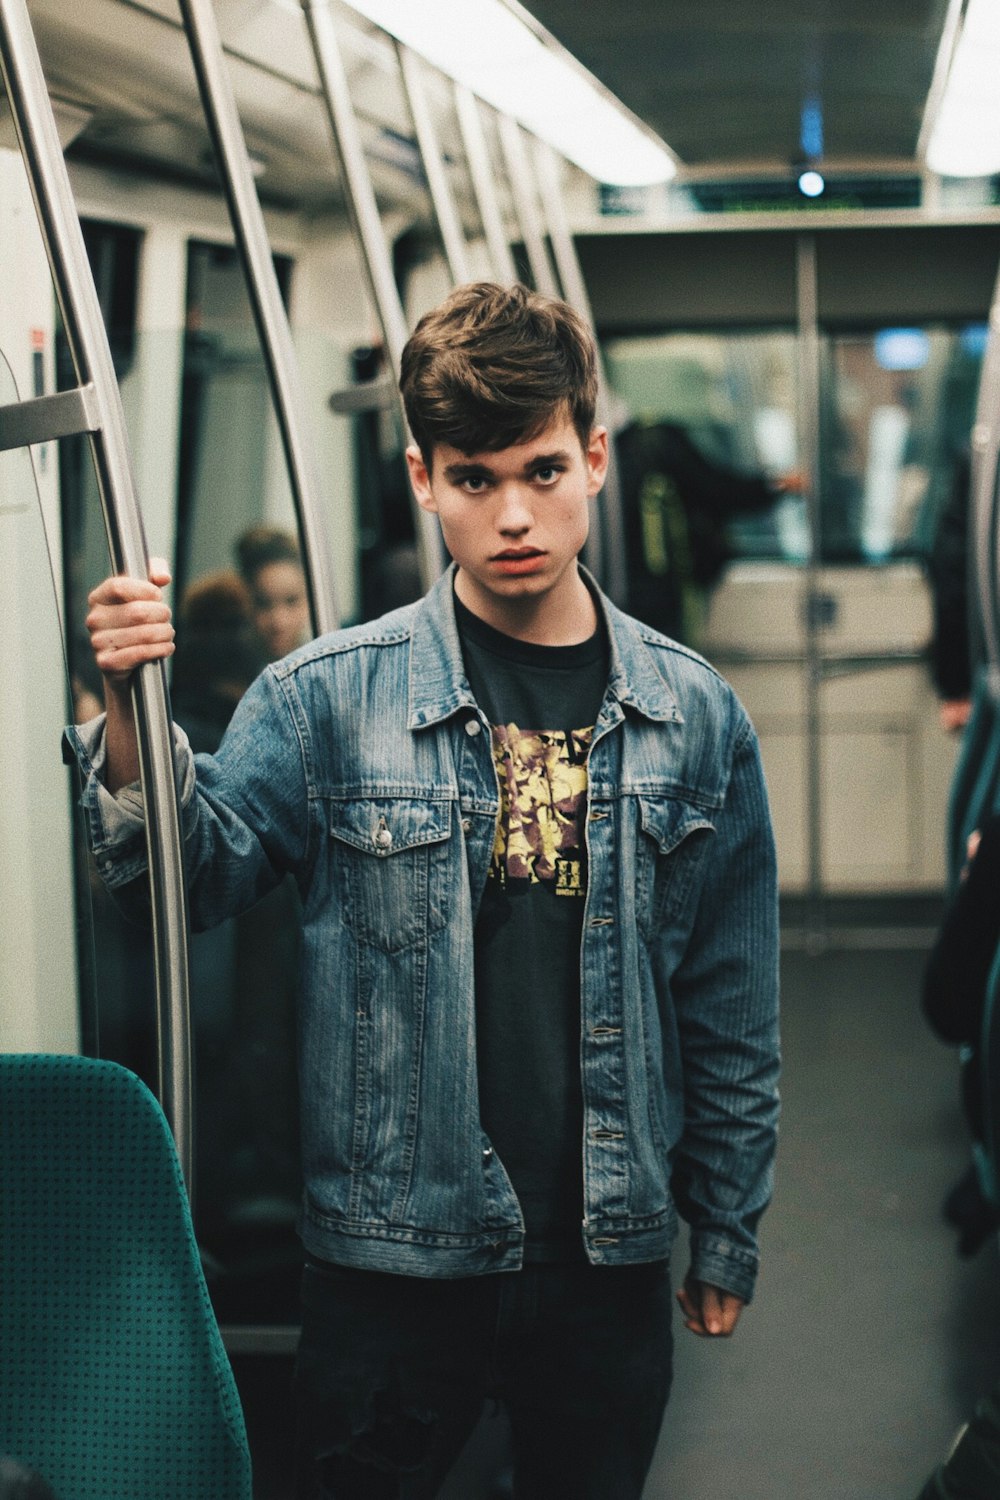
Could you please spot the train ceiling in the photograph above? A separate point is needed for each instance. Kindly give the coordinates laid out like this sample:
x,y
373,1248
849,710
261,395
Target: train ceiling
x,y
728,85
725,82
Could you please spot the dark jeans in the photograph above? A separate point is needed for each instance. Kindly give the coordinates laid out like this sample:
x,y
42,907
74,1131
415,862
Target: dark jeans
x,y
393,1373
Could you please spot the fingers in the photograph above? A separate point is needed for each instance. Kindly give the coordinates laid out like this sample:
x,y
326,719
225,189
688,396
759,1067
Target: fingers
x,y
709,1311
119,650
121,589
129,622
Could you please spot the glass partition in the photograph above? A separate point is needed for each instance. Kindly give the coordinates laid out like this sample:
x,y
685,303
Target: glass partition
x,y
897,407
708,449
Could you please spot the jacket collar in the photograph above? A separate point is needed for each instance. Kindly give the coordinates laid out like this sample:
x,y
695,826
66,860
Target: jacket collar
x,y
440,688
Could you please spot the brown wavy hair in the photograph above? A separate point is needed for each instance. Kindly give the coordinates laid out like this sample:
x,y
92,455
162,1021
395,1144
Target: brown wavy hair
x,y
493,365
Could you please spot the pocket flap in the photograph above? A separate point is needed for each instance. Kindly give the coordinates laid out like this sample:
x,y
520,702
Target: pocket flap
x,y
390,825
669,821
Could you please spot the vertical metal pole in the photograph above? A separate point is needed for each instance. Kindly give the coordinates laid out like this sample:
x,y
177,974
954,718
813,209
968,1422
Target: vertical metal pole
x,y
547,165
452,237
88,344
483,185
809,416
273,330
523,187
371,236
613,554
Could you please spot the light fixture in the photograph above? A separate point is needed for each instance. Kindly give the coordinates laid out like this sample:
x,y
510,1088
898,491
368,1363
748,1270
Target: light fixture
x,y
964,127
489,46
812,184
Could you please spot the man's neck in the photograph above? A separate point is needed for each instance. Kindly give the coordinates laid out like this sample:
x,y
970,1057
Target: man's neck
x,y
563,617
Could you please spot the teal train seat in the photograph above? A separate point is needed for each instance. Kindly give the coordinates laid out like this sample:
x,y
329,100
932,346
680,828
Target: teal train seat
x,y
987,1152
114,1382
975,788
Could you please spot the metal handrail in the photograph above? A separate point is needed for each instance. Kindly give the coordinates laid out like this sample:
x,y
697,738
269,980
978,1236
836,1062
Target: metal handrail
x,y
477,156
87,340
606,550
452,238
222,117
367,225
984,530
522,186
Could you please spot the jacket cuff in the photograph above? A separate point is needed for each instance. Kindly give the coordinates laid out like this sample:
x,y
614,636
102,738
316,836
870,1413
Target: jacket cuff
x,y
721,1263
116,826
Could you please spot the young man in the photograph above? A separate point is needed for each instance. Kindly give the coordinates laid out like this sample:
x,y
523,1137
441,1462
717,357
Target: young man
x,y
538,1003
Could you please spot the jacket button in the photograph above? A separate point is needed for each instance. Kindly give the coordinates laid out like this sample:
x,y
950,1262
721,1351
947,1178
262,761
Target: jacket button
x,y
488,1154
472,727
382,838
466,825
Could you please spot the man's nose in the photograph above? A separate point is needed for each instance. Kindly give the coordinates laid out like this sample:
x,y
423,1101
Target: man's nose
x,y
515,514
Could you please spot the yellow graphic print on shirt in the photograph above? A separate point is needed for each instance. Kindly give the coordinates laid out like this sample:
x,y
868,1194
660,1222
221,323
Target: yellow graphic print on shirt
x,y
543,803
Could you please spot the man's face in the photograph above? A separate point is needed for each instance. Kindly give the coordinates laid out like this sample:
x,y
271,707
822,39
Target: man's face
x,y
514,520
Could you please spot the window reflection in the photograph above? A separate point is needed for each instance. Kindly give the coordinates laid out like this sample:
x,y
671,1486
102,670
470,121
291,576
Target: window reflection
x,y
708,454
897,408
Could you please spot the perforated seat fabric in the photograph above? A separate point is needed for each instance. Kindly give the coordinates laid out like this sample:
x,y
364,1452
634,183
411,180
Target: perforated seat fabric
x,y
114,1382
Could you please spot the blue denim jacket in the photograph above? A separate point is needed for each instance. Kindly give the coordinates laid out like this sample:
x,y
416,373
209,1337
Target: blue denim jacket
x,y
363,765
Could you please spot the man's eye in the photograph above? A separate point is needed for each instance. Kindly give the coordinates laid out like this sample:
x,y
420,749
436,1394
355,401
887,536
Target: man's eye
x,y
548,474
474,484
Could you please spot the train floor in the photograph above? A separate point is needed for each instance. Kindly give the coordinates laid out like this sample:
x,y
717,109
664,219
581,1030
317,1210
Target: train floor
x,y
870,1338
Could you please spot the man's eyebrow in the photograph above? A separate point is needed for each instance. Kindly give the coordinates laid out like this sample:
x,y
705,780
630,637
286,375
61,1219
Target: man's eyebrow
x,y
455,473
546,460
468,471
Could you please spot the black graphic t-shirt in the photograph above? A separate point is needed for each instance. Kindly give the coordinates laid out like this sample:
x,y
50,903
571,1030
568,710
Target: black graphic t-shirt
x,y
542,702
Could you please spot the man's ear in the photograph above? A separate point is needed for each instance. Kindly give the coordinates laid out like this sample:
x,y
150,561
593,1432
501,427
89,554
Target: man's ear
x,y
597,459
420,478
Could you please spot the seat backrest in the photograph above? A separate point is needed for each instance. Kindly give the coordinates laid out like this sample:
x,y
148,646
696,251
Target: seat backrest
x,y
975,784
988,1156
114,1382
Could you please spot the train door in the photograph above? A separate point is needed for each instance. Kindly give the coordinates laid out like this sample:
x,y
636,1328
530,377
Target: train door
x,y
810,391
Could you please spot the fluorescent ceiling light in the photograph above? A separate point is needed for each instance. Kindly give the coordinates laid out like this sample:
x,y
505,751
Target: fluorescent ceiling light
x,y
965,137
486,46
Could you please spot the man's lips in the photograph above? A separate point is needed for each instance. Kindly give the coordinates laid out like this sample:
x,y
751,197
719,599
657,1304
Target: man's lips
x,y
517,559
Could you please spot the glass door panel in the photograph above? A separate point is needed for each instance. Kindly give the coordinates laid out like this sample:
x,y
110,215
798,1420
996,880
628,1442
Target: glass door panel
x,y
707,434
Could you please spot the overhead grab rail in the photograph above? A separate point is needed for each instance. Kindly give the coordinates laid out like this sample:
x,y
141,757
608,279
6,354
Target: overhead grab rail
x,y
222,117
477,155
95,409
368,227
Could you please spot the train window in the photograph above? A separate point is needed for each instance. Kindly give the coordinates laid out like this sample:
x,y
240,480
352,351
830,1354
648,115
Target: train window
x,y
898,404
231,472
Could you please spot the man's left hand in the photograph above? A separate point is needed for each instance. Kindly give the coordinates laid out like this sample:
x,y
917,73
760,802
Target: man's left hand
x,y
708,1310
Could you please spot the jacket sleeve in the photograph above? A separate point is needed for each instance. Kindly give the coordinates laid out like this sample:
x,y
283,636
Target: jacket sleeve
x,y
245,810
726,1003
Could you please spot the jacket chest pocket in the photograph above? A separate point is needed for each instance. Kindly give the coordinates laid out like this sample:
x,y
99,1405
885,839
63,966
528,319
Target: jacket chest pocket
x,y
673,841
391,859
